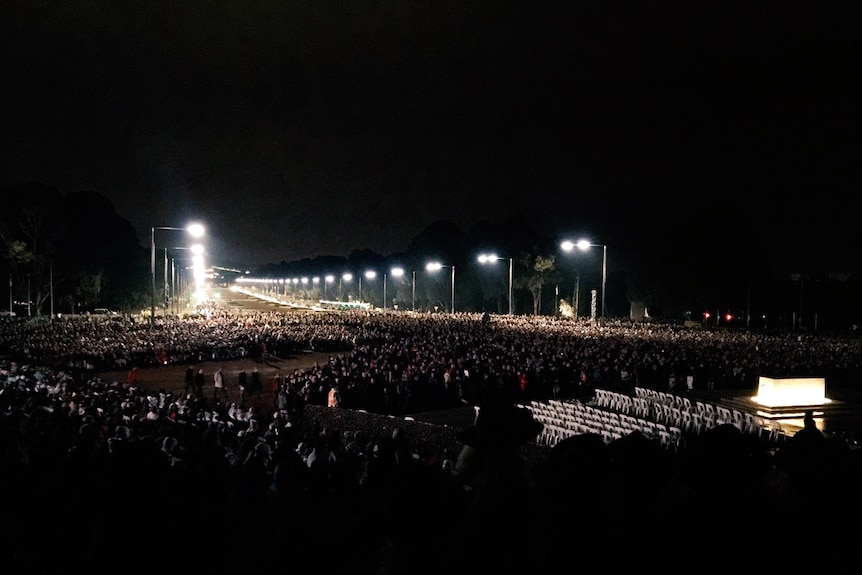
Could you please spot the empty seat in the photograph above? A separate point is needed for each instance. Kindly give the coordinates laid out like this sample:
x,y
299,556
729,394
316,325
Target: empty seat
x,y
665,439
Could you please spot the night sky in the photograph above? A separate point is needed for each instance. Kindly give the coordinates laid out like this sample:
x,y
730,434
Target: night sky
x,y
298,129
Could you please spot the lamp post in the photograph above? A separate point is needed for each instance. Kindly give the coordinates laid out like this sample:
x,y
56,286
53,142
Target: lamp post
x,y
172,294
195,230
370,275
584,245
327,280
490,258
412,298
347,277
396,272
436,266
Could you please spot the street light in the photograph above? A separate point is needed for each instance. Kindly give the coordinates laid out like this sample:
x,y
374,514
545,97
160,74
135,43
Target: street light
x,y
370,274
396,272
173,294
436,266
347,277
327,280
194,230
491,258
584,245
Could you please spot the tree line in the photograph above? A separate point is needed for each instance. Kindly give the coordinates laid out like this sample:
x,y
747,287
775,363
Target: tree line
x,y
73,252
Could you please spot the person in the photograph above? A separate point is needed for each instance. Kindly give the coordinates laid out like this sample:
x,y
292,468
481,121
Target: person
x,y
501,513
132,376
242,384
190,379
809,431
218,384
334,398
256,385
282,400
200,379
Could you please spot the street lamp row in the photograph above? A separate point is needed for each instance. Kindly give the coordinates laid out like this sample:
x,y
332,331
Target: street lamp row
x,y
194,230
488,258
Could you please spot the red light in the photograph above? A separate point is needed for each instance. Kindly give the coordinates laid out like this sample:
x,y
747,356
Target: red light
x,y
706,315
728,317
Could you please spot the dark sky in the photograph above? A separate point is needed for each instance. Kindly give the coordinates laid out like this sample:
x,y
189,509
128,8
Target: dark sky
x,y
297,129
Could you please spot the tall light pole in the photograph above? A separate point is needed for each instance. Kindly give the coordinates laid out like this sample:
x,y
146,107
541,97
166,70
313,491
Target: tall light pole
x,y
436,266
585,245
491,258
370,275
195,230
347,277
396,272
327,280
412,300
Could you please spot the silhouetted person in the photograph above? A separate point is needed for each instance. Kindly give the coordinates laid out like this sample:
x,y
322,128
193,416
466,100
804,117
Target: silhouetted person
x,y
809,431
190,379
256,385
503,522
200,379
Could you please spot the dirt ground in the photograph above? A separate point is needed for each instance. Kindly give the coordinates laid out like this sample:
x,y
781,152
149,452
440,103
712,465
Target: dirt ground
x,y
172,377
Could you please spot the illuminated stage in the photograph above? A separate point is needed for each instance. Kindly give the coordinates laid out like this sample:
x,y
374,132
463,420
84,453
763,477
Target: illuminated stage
x,y
785,401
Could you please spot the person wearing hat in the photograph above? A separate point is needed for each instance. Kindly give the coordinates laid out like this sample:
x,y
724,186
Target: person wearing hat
x,y
503,514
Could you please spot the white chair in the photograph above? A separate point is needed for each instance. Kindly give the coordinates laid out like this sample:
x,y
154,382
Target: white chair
x,y
687,417
665,439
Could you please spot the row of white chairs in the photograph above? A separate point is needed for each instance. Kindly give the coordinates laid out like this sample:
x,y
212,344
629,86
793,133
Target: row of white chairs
x,y
691,416
565,418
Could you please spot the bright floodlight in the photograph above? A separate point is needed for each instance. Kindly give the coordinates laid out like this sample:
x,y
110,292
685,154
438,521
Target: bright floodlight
x,y
329,279
487,258
347,277
195,230
397,272
583,245
434,266
371,274
197,249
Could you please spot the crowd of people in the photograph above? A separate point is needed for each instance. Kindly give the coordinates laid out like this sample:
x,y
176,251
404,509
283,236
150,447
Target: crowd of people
x,y
402,362
101,468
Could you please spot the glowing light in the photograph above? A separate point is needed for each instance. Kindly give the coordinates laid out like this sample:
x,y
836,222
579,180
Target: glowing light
x,y
791,391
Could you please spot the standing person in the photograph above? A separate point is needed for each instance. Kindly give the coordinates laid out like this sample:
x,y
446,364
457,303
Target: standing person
x,y
190,379
256,385
282,401
334,398
243,383
200,379
218,385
